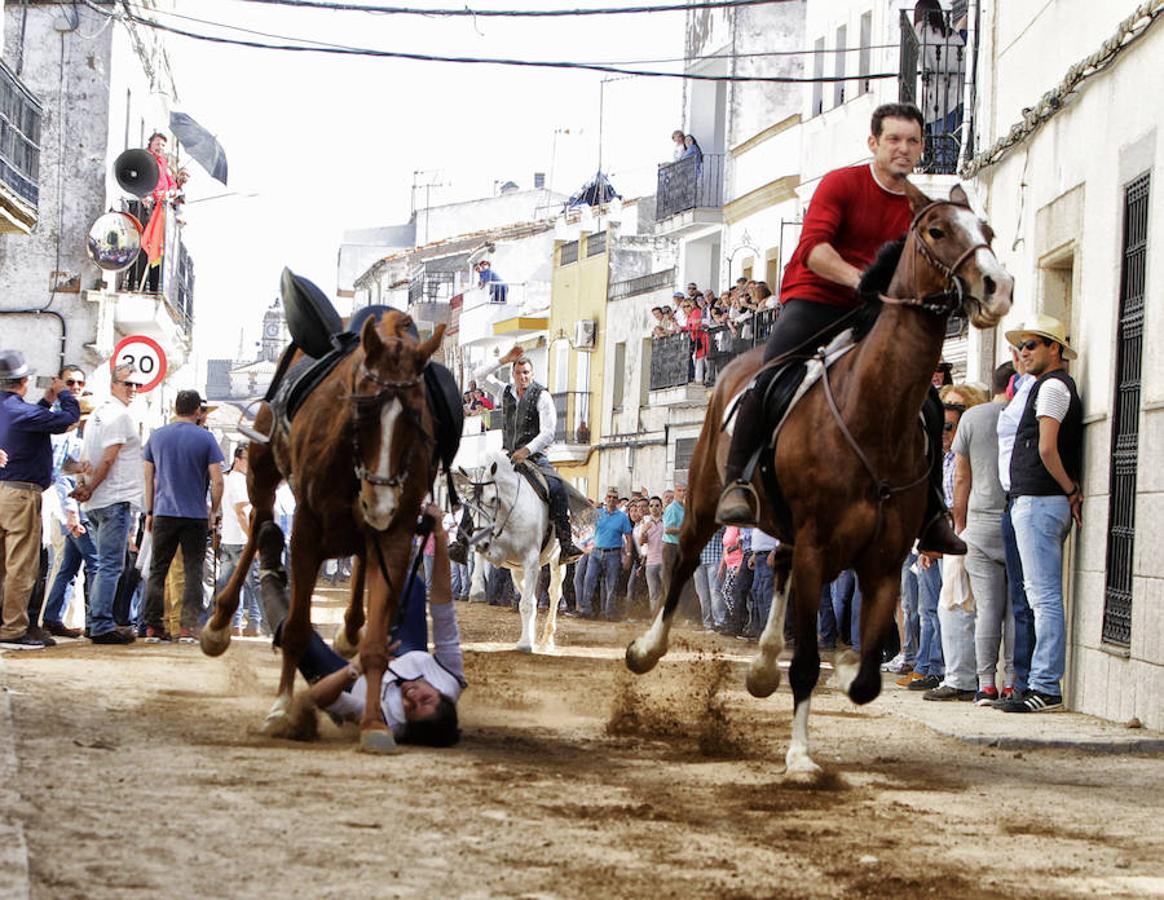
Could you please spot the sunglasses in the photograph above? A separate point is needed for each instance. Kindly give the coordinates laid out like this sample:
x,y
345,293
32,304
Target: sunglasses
x,y
1030,344
75,382
132,385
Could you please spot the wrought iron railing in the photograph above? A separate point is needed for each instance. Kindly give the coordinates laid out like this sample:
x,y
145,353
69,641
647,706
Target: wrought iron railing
x,y
172,278
20,114
673,362
932,75
644,284
693,182
573,409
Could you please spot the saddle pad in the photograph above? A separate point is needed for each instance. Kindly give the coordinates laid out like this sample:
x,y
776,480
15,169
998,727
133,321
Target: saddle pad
x,y
536,479
813,370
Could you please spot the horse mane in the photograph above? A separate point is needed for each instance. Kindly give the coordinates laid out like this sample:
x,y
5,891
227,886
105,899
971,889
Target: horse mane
x,y
875,281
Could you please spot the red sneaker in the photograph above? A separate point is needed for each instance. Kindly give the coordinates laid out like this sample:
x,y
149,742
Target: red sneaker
x,y
186,636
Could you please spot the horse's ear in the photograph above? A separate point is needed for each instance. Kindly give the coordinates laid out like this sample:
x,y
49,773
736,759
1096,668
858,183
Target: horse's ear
x,y
370,338
915,196
493,469
429,347
957,195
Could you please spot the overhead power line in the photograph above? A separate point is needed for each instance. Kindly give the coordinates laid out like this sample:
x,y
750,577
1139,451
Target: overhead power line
x,y
306,46
512,13
603,62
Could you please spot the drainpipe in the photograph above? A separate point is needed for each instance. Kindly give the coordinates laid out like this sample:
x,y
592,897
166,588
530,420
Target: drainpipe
x,y
42,311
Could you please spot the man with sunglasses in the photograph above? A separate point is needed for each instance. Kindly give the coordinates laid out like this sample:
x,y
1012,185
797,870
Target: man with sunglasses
x,y
1045,467
110,491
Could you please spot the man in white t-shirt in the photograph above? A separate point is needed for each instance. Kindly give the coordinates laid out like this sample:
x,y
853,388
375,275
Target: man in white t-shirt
x,y
111,491
236,526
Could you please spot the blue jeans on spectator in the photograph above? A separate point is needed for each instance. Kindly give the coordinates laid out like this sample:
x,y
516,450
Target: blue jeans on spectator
x,y
110,526
761,593
845,590
1041,525
604,565
78,549
929,652
1024,619
428,564
580,568
460,581
228,556
910,618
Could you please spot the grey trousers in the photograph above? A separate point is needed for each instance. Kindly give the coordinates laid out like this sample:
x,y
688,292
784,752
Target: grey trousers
x,y
986,566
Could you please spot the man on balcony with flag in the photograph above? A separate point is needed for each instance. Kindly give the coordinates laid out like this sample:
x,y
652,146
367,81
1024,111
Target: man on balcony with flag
x,y
153,239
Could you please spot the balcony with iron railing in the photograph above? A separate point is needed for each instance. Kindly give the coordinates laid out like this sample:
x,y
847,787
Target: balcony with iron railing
x,y
932,75
20,117
643,284
144,291
572,434
690,192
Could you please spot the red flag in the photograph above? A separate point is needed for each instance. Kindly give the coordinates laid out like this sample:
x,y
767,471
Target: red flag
x,y
153,239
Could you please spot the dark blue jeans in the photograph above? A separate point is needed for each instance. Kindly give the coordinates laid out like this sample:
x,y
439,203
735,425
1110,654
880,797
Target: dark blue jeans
x,y
762,594
834,597
929,654
78,549
319,660
1024,619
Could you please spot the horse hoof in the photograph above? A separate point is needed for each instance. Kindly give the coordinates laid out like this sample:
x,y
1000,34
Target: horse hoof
x,y
214,643
276,724
548,647
639,662
523,647
376,741
800,767
845,669
763,680
343,646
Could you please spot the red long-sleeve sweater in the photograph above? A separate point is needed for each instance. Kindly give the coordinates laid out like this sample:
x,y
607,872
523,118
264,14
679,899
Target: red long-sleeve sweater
x,y
852,212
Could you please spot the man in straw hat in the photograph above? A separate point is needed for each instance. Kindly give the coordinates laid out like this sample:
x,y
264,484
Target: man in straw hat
x,y
1045,467
24,433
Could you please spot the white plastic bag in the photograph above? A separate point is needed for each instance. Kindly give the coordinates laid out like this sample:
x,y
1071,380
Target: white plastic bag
x,y
145,552
956,593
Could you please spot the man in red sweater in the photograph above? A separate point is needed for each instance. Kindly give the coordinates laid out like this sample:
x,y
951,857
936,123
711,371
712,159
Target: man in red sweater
x,y
853,212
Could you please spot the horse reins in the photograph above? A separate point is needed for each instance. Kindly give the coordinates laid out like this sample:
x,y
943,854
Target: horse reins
x,y
388,389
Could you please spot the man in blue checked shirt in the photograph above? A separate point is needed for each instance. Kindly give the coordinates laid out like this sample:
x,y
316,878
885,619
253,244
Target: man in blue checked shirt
x,y
708,582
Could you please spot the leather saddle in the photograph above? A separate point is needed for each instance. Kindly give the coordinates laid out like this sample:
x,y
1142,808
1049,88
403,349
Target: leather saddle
x,y
317,329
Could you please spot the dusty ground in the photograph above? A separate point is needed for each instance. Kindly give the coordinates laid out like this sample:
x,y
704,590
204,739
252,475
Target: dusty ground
x,y
141,773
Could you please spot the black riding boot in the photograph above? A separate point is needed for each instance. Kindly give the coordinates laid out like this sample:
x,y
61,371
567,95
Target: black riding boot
x,y
937,534
738,504
560,513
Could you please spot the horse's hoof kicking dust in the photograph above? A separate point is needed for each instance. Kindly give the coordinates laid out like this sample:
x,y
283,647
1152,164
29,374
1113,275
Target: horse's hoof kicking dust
x,y
799,767
523,648
214,643
640,662
375,741
763,680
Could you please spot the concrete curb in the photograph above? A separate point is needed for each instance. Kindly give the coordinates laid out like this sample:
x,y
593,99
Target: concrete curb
x,y
1043,731
14,877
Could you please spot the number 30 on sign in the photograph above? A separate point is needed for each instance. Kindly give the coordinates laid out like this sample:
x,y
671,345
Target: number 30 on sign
x,y
146,356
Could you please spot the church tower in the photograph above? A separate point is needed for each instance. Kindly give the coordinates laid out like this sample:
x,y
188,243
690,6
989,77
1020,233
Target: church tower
x,y
275,335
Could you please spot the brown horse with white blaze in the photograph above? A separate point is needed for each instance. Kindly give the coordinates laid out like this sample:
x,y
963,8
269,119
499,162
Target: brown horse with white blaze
x,y
852,461
360,456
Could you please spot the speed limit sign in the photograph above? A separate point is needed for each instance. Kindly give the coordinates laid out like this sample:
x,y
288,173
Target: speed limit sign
x,y
146,356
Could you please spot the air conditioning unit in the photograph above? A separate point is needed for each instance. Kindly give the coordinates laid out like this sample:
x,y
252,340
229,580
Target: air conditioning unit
x,y
585,334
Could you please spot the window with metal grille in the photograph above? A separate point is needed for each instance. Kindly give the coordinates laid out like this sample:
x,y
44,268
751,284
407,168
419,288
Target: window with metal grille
x,y
839,64
1125,425
596,244
684,450
569,253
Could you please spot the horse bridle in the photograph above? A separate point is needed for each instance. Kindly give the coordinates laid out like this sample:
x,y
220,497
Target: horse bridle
x,y
477,503
940,303
375,402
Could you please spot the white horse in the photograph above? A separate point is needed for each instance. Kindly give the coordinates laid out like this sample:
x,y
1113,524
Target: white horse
x,y
515,533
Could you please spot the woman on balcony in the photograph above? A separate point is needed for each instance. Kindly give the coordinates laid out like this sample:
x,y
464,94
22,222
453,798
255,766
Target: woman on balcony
x,y
693,149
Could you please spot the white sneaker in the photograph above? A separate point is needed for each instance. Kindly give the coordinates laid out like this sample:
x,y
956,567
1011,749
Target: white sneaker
x,y
895,665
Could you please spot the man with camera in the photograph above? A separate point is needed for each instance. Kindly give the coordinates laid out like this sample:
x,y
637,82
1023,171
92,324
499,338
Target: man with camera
x,y
24,434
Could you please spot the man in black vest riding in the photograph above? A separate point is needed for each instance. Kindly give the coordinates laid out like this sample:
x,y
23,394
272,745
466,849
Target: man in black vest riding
x,y
529,425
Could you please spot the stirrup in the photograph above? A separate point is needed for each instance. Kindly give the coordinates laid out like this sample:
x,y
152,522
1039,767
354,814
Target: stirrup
x,y
729,514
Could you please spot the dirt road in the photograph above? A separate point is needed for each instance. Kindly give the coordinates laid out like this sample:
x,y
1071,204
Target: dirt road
x,y
141,773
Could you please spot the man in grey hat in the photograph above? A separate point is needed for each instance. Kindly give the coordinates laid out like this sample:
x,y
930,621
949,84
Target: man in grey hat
x,y
24,434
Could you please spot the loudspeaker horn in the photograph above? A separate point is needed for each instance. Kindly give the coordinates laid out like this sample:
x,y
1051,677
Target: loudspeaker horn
x,y
136,171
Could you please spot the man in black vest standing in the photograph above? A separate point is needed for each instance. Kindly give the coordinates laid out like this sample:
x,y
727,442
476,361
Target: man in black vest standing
x,y
529,425
1045,468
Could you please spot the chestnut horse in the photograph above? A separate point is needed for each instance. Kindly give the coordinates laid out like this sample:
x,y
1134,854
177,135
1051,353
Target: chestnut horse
x,y
360,456
852,461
